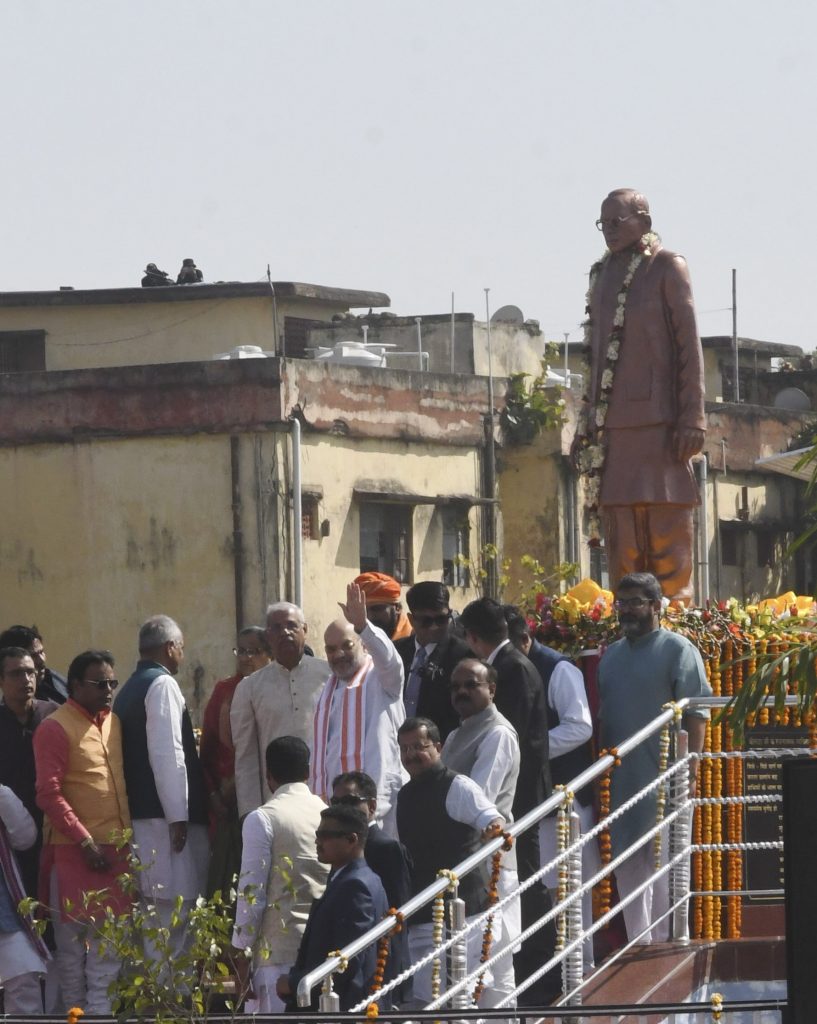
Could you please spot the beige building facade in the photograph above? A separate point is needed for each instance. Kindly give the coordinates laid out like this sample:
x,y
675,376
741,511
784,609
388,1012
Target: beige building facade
x,y
148,475
168,488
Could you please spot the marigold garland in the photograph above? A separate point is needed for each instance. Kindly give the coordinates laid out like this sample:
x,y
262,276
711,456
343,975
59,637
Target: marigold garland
x,y
562,839
605,886
344,963
383,946
74,1014
493,896
661,795
437,923
590,433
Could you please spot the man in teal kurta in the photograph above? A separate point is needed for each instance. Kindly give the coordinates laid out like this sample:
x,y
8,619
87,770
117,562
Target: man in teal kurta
x,y
638,675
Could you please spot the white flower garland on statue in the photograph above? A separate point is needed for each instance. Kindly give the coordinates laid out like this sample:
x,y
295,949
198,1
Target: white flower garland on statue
x,y
592,450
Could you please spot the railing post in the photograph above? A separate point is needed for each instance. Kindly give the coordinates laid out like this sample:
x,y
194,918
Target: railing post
x,y
329,1001
458,954
573,963
679,835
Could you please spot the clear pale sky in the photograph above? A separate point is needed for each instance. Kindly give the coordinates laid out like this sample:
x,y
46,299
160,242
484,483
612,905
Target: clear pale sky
x,y
414,148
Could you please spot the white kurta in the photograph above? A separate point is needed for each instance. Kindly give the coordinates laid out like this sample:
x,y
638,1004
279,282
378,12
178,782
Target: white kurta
x,y
17,956
377,753
271,702
568,698
166,874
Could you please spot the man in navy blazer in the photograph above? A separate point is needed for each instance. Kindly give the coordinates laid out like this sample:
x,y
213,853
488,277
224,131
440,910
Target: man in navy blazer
x,y
387,857
354,901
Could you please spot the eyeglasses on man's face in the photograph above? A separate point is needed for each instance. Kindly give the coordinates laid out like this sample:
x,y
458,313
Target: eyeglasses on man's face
x,y
348,800
415,748
102,684
345,647
631,602
427,621
331,833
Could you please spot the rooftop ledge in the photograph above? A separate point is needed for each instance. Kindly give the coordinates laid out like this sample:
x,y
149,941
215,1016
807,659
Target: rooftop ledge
x,y
196,292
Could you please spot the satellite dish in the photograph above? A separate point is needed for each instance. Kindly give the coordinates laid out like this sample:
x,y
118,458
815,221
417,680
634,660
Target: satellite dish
x,y
508,315
792,399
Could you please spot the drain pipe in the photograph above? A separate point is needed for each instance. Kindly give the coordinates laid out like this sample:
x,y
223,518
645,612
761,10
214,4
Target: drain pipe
x,y
703,477
238,536
297,512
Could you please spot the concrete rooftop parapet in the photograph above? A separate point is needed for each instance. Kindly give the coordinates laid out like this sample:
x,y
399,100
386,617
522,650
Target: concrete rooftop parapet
x,y
196,292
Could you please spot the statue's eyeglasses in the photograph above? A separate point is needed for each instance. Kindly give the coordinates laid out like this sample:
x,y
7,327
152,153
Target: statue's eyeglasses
x,y
614,222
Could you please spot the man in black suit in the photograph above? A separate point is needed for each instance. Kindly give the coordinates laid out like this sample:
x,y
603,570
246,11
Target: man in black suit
x,y
387,857
521,698
354,901
50,684
430,655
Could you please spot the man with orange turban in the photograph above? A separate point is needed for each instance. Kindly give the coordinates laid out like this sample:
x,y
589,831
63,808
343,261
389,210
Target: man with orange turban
x,y
383,604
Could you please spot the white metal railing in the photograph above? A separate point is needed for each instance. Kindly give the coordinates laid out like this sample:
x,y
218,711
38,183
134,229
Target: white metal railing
x,y
674,829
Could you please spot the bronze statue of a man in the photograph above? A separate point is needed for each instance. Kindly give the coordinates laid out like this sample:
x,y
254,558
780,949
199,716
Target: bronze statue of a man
x,y
642,416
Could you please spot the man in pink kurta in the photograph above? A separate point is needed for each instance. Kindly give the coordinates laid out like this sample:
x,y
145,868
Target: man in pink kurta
x,y
81,789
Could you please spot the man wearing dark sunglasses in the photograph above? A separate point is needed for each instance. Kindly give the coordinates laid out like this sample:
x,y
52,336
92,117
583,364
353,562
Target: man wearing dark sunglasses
x,y
354,901
430,655
81,789
387,857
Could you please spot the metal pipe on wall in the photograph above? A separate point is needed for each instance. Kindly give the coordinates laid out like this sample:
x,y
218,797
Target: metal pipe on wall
x,y
297,514
492,578
704,530
238,536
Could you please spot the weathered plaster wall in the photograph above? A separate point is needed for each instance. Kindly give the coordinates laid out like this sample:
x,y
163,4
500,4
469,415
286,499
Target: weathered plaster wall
x,y
137,334
533,505
339,465
103,533
123,505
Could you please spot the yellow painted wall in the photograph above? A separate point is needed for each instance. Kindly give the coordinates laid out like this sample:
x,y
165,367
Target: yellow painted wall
x,y
102,534
337,464
135,334
532,508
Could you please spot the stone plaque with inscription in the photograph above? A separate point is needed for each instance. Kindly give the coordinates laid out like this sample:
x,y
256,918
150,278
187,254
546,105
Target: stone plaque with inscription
x,y
763,822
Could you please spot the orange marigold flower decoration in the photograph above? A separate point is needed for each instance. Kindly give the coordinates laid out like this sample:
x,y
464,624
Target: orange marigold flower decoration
x,y
383,946
605,887
74,1014
493,896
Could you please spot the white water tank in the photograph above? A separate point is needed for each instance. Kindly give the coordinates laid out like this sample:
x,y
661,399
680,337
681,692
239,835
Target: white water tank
x,y
245,352
353,353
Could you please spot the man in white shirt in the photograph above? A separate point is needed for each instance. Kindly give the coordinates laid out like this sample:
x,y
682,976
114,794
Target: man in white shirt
x,y
163,777
360,708
485,748
23,954
280,873
571,751
277,700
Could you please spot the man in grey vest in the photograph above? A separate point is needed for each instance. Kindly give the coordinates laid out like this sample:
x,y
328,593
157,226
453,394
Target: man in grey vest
x,y
273,901
163,777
